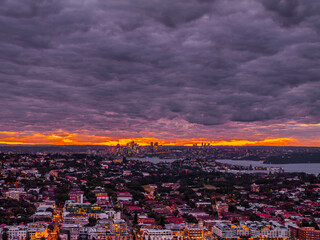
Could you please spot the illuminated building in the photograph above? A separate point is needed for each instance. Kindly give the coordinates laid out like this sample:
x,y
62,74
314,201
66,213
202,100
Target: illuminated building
x,y
255,188
222,207
35,231
44,214
177,230
124,196
108,214
82,208
210,223
156,146
119,226
268,233
203,204
102,197
225,231
81,219
15,193
118,160
118,229
133,147
54,173
73,230
194,231
76,196
157,234
17,232
143,220
63,236
304,233
45,205
127,173
256,230
38,230
96,232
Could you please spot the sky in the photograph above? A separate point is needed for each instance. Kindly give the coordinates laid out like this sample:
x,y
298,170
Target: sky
x,y
226,72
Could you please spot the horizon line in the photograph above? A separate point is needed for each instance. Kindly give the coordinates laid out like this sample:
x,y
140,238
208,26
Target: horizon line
x,y
162,145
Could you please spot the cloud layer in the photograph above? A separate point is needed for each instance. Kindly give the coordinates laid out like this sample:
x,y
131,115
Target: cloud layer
x,y
170,69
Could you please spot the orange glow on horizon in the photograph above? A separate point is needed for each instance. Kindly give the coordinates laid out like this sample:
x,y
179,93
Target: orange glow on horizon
x,y
61,137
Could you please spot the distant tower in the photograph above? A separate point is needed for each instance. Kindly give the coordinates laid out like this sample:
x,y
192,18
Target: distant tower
x,y
156,146
255,188
133,147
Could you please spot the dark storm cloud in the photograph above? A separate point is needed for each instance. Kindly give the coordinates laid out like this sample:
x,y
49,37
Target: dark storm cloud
x,y
117,65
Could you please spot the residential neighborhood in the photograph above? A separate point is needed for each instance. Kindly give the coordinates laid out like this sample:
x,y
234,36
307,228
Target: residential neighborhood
x,y
97,195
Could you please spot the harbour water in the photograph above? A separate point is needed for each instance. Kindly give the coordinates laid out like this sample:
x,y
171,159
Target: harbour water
x,y
153,159
311,168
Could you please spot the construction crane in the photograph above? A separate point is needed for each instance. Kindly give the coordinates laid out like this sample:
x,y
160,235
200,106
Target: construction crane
x,y
217,207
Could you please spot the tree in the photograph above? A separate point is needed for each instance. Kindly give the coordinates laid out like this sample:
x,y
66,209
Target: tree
x,y
315,225
51,227
28,236
190,218
91,197
92,221
305,223
162,221
5,234
232,208
135,219
236,221
176,213
62,193
49,209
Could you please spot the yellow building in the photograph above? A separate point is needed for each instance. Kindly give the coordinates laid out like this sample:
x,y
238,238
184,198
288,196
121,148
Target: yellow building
x,y
193,232
38,230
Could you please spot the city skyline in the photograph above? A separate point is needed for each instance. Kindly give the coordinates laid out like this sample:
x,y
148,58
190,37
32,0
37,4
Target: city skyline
x,y
90,72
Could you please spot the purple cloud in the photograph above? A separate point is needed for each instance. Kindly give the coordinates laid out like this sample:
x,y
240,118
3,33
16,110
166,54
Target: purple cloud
x,y
118,65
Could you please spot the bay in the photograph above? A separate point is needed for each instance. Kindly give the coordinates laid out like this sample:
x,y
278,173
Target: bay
x,y
311,168
154,160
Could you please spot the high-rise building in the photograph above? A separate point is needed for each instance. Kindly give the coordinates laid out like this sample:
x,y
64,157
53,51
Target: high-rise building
x,y
255,188
304,233
158,234
195,231
156,146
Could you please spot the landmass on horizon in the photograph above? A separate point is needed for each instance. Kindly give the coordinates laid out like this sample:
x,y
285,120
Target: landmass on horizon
x,y
266,154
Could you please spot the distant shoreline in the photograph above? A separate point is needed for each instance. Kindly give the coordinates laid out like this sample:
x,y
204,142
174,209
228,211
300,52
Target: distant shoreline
x,y
310,168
